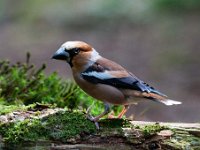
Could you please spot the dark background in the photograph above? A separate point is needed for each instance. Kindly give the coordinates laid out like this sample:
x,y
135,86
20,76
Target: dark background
x,y
157,40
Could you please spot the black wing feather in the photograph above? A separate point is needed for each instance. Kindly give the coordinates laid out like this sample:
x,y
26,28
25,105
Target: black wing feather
x,y
129,82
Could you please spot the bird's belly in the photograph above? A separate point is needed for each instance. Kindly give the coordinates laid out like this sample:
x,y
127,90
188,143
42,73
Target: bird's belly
x,y
103,92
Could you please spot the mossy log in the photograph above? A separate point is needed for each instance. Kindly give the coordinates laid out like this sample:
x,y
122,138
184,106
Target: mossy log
x,y
148,136
72,130
175,136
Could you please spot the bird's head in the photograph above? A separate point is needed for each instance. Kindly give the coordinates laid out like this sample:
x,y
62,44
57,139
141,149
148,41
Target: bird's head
x,y
76,53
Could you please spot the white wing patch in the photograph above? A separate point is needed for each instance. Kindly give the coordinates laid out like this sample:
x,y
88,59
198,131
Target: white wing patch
x,y
170,102
99,75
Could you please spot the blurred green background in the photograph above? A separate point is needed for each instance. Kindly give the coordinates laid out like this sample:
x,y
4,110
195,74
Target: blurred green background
x,y
157,40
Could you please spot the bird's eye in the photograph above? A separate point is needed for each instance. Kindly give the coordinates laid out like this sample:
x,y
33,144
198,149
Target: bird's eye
x,y
76,50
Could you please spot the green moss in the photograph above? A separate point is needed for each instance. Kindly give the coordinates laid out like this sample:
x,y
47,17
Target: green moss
x,y
151,129
4,109
183,140
24,84
58,127
114,123
25,87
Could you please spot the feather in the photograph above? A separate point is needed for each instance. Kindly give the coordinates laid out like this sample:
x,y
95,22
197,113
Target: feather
x,y
170,102
97,73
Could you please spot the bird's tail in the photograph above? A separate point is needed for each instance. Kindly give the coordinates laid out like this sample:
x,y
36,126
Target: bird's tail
x,y
161,99
169,102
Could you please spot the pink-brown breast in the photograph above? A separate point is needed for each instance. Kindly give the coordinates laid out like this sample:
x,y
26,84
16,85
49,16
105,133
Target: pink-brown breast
x,y
103,92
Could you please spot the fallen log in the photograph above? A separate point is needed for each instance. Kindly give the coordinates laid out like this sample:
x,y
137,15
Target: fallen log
x,y
26,127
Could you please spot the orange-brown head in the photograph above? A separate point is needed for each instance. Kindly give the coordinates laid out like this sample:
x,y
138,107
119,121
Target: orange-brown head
x,y
77,53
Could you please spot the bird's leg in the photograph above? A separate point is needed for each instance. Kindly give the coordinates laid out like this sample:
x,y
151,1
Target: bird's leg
x,y
89,116
111,115
124,110
106,111
96,119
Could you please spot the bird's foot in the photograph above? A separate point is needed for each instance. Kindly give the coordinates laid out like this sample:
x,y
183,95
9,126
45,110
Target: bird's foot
x,y
112,116
95,120
91,118
120,116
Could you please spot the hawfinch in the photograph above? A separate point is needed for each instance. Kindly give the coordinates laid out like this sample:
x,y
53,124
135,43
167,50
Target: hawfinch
x,y
106,80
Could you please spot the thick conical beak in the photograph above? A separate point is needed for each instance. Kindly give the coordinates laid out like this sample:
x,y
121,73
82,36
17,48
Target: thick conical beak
x,y
61,54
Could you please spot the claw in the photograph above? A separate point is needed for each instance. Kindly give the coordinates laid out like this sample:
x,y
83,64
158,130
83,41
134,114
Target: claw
x,y
93,119
97,125
96,119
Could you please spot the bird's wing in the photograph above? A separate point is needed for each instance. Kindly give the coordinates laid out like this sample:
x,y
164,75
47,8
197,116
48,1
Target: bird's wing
x,y
110,73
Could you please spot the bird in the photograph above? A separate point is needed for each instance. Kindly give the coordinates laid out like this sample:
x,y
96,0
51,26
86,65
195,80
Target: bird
x,y
106,80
